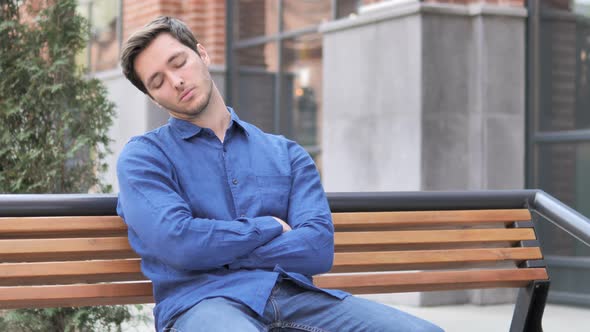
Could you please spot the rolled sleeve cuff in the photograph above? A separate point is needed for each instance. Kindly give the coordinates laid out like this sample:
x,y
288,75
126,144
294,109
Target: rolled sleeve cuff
x,y
268,227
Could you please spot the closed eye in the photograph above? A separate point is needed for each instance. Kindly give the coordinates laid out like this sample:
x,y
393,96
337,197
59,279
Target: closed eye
x,y
179,62
157,82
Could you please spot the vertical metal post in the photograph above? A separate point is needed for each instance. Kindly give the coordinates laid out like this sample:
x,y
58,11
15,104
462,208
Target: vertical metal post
x,y
532,89
229,52
120,25
334,10
279,74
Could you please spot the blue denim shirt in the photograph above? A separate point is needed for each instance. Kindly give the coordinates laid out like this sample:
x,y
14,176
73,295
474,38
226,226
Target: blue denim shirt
x,y
199,213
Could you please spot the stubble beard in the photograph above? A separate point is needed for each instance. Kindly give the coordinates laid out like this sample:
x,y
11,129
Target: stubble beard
x,y
198,110
202,107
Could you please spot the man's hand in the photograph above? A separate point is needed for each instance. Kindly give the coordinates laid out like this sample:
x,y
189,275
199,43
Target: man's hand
x,y
286,226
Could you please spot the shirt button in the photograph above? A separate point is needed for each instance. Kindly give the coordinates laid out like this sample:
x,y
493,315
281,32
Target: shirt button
x,y
235,181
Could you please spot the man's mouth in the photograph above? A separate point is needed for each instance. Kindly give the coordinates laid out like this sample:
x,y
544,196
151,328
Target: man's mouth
x,y
187,94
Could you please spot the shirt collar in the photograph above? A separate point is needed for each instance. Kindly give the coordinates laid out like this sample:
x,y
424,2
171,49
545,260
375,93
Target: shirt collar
x,y
236,120
187,129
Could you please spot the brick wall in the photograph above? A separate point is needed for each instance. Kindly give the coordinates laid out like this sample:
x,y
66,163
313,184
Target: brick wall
x,y
206,18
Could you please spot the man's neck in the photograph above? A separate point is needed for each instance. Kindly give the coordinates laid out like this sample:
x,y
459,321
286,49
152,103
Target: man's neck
x,y
215,116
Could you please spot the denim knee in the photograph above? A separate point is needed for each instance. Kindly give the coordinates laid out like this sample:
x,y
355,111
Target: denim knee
x,y
217,314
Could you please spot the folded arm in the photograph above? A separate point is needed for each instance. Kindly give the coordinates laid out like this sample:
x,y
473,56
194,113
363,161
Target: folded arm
x,y
152,207
309,247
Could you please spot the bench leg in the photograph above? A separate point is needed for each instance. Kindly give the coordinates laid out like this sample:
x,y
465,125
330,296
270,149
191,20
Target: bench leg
x,y
530,304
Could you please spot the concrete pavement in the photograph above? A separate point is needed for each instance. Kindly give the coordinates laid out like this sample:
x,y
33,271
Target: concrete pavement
x,y
459,318
497,318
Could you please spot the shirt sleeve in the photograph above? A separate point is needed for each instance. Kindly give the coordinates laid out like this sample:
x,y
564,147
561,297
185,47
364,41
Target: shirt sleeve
x,y
150,204
309,247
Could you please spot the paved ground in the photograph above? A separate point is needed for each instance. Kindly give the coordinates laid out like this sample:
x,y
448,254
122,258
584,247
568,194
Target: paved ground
x,y
468,318
496,318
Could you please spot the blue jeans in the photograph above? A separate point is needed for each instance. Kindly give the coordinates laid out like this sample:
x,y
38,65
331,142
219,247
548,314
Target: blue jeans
x,y
292,308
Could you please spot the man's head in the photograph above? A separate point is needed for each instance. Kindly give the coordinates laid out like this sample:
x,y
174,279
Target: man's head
x,y
142,38
165,61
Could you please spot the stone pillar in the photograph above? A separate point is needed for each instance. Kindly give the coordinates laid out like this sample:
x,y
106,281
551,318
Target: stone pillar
x,y
425,96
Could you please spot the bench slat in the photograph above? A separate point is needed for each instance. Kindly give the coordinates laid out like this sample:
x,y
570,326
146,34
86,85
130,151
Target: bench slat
x,y
140,292
380,220
118,247
24,250
70,272
129,269
75,295
430,280
427,259
114,225
369,240
62,226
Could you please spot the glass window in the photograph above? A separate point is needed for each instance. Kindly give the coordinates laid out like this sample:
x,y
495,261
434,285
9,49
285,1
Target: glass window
x,y
254,87
285,101
298,14
255,18
104,40
556,4
583,70
347,7
562,171
572,280
302,64
563,103
565,72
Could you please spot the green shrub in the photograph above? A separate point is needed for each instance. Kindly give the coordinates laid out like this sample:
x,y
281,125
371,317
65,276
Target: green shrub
x,y
54,120
54,123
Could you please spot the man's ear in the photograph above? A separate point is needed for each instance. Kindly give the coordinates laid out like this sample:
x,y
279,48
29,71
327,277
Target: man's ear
x,y
203,54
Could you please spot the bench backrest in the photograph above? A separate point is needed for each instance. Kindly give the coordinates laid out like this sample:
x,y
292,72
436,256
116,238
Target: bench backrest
x,y
87,260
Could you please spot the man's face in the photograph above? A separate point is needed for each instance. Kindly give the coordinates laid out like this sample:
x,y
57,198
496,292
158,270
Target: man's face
x,y
175,76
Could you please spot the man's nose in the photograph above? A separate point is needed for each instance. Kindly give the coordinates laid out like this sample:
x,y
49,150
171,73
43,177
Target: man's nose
x,y
178,82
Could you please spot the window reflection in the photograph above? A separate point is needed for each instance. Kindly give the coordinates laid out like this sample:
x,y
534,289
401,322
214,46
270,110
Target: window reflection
x,y
299,14
255,85
103,48
256,18
303,60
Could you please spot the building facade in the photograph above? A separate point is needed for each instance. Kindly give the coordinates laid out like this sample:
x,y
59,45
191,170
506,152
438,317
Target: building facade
x,y
396,95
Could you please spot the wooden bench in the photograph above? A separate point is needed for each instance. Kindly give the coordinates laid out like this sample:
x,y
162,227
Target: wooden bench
x,y
60,250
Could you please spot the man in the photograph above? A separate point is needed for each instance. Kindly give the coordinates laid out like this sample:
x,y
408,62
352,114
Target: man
x,y
230,222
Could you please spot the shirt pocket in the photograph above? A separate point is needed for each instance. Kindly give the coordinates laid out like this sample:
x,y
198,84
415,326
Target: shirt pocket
x,y
274,193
